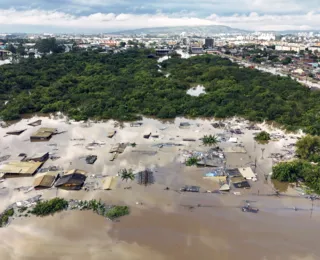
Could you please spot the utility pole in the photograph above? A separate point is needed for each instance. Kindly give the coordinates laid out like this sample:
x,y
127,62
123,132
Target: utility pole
x,y
262,150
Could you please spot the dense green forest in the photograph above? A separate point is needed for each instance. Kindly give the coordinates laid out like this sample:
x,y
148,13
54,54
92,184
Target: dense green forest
x,y
124,85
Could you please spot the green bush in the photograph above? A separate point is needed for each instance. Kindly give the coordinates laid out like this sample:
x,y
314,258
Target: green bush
x,y
44,208
192,161
118,211
262,137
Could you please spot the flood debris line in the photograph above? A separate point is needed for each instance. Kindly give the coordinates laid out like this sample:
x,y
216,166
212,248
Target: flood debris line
x,y
166,145
95,144
151,153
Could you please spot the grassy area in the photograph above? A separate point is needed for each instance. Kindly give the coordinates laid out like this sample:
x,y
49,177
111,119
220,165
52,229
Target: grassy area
x,y
49,207
5,217
118,211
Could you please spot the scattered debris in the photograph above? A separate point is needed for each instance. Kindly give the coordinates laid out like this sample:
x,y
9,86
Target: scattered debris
x,y
136,124
4,158
35,123
145,152
111,134
189,140
17,132
190,189
147,136
184,125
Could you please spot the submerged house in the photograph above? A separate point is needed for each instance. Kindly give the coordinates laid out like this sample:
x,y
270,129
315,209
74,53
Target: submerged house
x,y
72,181
44,182
19,168
38,157
43,134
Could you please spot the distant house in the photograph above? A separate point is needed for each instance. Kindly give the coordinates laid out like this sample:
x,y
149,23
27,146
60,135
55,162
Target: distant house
x,y
43,134
196,50
163,52
73,181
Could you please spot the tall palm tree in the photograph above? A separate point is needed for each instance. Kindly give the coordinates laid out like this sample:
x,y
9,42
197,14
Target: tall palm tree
x,y
127,174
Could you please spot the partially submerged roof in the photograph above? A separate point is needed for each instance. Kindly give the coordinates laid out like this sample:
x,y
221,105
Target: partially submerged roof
x,y
17,167
109,183
247,173
71,179
44,132
45,181
76,171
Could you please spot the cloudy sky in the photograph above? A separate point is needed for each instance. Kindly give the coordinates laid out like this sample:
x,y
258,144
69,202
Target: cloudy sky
x,y
107,16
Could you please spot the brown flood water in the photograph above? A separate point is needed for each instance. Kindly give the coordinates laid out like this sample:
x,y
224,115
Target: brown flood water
x,y
151,233
160,228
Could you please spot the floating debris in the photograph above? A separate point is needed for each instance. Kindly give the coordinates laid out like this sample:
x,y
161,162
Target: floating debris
x,y
18,132
166,145
184,125
189,140
90,159
136,124
145,152
4,158
147,136
35,123
111,134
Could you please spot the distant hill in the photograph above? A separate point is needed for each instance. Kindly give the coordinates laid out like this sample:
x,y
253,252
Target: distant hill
x,y
207,30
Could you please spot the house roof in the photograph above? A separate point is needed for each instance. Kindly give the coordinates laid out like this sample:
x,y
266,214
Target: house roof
x,y
76,171
17,167
44,132
75,179
44,181
109,183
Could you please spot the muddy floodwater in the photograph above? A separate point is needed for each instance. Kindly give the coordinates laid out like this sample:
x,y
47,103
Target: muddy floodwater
x,y
163,224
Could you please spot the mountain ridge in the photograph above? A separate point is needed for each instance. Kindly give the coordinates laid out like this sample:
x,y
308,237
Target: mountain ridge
x,y
203,29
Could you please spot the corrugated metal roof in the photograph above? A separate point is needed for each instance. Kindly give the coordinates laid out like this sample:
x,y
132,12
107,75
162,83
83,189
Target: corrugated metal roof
x,y
109,183
17,167
44,132
44,181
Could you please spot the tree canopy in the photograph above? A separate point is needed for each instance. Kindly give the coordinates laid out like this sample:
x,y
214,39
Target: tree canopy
x,y
125,85
308,148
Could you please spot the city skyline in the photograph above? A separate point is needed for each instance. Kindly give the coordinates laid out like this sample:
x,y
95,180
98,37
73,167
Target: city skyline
x,y
75,16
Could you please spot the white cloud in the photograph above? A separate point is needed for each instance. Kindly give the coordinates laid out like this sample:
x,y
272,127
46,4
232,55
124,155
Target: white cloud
x,y
111,21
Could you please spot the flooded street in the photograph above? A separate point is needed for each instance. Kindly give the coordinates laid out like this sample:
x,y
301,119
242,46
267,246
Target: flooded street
x,y
163,224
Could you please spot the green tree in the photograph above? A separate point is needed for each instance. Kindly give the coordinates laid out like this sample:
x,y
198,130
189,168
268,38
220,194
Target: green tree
x,y
308,148
12,49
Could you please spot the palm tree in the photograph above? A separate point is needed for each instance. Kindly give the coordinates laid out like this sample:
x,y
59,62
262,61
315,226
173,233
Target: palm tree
x,y
127,174
210,140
